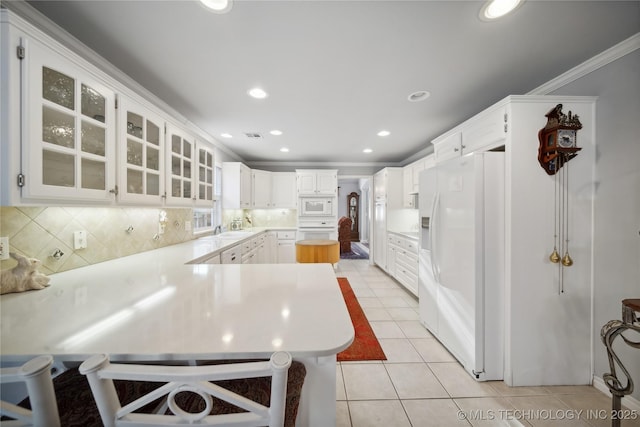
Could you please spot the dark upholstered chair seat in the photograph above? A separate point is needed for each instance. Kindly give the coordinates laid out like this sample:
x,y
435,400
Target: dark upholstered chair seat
x,y
77,406
344,234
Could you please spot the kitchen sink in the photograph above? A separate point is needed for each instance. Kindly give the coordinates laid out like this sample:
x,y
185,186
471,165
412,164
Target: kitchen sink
x,y
235,234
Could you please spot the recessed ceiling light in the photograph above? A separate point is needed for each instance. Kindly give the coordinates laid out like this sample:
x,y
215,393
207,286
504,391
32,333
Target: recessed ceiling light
x,y
384,133
257,93
494,9
226,135
276,132
367,150
218,6
418,96
284,149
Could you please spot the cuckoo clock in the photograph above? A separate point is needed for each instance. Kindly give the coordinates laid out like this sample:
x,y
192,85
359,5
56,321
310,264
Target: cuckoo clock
x,y
558,145
558,140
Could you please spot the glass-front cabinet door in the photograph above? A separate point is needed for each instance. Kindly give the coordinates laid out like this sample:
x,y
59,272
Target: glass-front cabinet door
x,y
180,167
69,139
140,154
205,160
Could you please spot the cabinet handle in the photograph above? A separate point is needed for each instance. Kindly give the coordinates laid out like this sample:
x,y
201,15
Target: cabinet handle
x,y
114,191
456,149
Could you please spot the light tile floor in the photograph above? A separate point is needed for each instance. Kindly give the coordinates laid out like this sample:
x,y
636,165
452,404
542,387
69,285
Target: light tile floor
x,y
422,385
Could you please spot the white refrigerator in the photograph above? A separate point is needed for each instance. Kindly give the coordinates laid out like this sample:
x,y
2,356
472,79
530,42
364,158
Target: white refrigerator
x,y
461,274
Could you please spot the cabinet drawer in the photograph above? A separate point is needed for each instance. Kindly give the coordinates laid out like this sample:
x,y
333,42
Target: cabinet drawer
x,y
286,235
409,280
410,245
407,263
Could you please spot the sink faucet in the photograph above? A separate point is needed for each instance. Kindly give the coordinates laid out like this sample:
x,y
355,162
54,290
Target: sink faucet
x,y
217,230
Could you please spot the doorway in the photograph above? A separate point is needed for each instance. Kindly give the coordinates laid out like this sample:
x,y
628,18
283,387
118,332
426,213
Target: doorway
x,y
356,191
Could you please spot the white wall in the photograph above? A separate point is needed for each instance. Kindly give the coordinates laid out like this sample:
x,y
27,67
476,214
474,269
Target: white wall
x,y
617,200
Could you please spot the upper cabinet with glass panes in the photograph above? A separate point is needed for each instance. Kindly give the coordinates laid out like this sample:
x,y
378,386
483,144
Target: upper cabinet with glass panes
x,y
180,167
205,179
141,176
69,142
76,135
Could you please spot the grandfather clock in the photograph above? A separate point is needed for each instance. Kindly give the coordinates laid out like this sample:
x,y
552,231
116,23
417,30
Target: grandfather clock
x,y
353,206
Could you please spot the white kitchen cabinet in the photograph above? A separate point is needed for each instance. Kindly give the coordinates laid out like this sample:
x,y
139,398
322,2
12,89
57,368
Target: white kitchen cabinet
x,y
317,182
283,190
261,249
261,189
286,247
180,149
232,255
411,176
69,137
407,264
487,131
87,138
388,186
236,186
391,257
141,145
448,147
271,247
482,132
402,260
205,167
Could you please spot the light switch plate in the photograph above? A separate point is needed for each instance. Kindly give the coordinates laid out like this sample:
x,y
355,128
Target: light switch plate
x,y
79,239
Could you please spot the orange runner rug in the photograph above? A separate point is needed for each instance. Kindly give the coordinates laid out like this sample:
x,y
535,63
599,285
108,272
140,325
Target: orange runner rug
x,y
365,346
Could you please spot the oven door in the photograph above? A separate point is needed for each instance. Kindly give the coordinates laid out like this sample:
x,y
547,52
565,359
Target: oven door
x,y
316,206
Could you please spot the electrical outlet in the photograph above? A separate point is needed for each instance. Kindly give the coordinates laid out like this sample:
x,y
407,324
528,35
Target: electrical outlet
x,y
187,226
79,239
4,248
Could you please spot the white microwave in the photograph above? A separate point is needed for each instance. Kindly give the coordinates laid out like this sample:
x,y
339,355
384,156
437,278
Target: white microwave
x,y
316,206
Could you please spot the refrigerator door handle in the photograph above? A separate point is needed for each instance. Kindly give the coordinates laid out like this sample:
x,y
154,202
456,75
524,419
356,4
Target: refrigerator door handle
x,y
432,237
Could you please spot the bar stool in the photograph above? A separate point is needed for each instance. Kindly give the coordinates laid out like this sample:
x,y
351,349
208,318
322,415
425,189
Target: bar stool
x,y
608,333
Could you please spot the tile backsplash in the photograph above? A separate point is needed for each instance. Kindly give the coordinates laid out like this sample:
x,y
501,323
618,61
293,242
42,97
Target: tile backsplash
x,y
37,232
261,217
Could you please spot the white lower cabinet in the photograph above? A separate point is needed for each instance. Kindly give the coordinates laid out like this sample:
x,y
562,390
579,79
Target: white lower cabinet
x,y
286,247
232,255
271,247
402,262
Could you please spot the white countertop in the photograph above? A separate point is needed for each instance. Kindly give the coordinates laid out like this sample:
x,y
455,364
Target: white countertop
x,y
153,306
410,234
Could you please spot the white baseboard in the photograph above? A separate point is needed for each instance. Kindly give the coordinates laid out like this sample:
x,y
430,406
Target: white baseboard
x,y
627,401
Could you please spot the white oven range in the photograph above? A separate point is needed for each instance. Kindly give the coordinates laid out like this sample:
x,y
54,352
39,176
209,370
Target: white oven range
x,y
317,229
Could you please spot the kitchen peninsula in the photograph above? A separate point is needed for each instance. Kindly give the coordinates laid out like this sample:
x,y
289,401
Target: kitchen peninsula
x,y
156,306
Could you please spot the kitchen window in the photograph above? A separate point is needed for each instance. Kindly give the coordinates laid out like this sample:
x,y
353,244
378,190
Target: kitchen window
x,y
205,219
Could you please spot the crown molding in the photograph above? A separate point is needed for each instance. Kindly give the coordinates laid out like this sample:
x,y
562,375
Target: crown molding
x,y
623,48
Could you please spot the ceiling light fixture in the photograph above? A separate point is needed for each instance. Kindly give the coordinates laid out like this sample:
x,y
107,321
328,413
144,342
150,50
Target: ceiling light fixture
x,y
367,150
494,9
218,6
418,96
276,132
384,133
257,93
226,135
284,149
